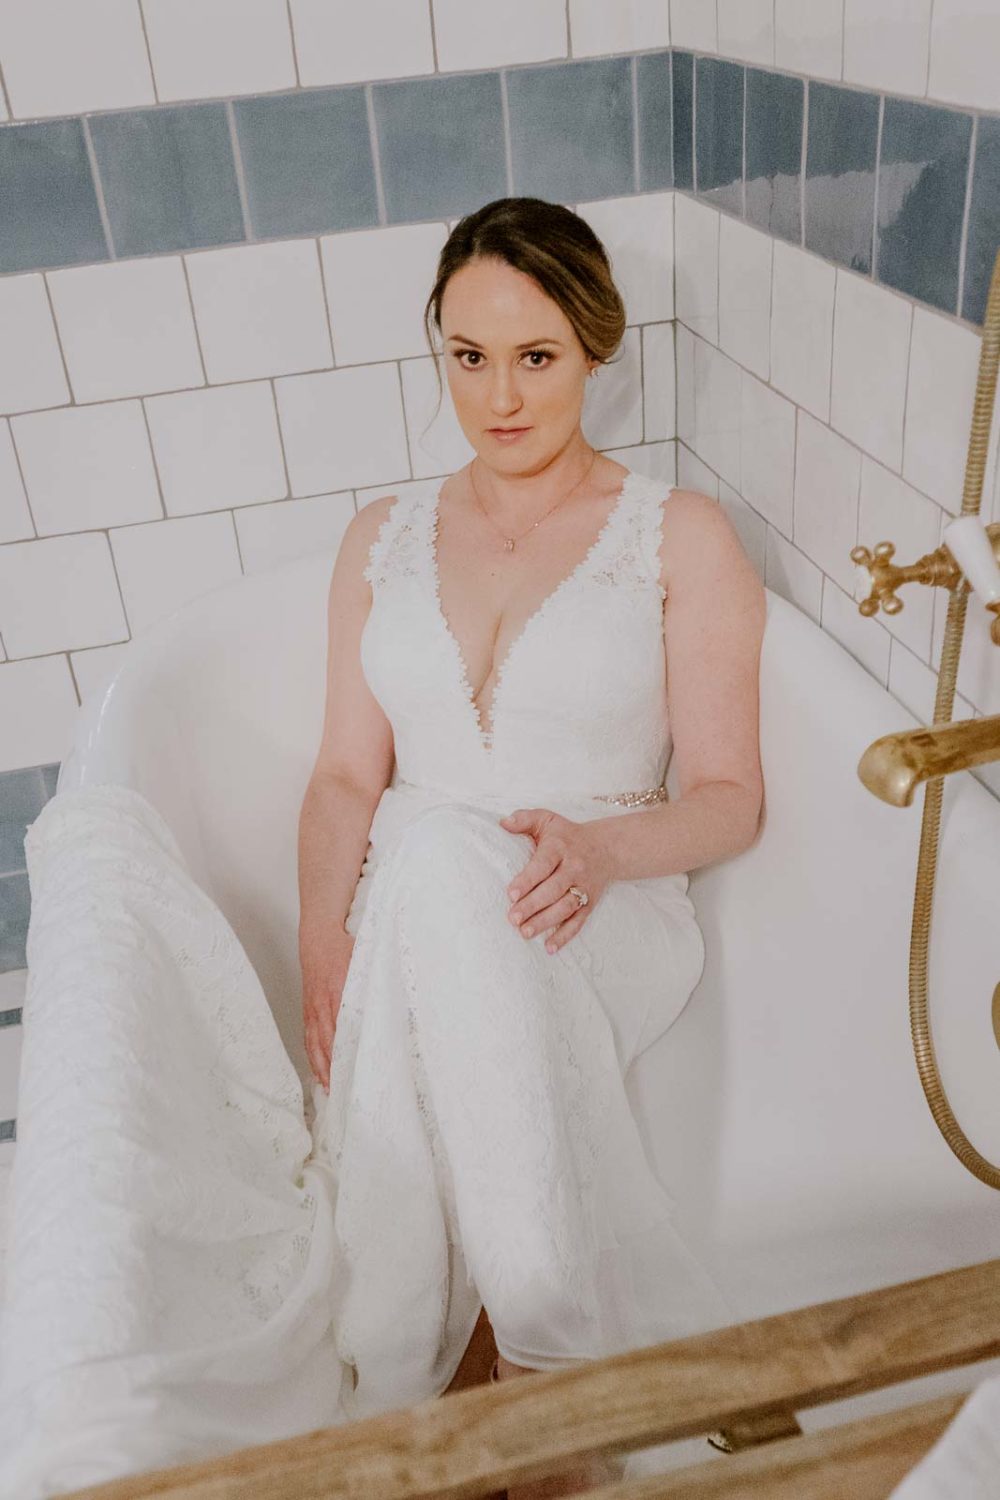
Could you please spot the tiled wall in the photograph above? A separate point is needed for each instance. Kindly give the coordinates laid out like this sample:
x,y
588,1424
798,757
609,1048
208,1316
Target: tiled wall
x,y
222,218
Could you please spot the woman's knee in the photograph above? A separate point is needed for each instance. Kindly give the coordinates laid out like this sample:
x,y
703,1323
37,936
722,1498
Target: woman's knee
x,y
463,845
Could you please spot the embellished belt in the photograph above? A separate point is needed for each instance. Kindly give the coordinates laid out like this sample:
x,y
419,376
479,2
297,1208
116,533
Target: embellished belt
x,y
637,799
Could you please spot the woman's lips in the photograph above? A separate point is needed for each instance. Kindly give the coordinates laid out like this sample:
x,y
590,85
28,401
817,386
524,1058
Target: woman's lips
x,y
507,434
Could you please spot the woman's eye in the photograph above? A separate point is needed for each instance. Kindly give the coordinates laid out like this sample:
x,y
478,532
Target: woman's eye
x,y
475,355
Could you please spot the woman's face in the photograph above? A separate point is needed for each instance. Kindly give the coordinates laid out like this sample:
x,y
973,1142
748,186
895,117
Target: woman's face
x,y
513,360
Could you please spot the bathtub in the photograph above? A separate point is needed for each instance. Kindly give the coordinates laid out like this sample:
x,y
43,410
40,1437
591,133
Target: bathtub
x,y
783,1108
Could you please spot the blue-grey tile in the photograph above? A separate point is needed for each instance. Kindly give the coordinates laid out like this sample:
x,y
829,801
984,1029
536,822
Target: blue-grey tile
x,y
440,144
11,1017
8,1130
840,174
307,161
656,165
15,909
48,205
921,198
984,220
168,178
718,132
22,793
50,775
571,129
683,118
774,152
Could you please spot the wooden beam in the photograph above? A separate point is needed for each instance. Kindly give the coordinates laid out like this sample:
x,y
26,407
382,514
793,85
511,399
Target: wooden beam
x,y
864,1460
467,1444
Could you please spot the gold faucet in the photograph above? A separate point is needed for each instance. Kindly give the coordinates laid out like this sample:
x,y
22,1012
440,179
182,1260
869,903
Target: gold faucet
x,y
893,766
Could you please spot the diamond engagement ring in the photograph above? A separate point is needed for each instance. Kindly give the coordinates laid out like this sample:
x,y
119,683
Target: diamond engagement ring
x,y
581,896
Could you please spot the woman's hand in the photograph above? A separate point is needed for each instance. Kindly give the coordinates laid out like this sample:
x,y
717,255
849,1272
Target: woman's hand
x,y
566,853
324,961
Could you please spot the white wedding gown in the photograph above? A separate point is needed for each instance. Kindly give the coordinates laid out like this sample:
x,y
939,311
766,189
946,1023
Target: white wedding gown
x,y
193,1269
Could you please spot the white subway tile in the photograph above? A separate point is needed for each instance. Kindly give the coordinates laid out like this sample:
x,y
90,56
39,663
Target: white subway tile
x,y
376,285
871,347
627,26
692,474
15,517
126,328
944,360
746,30
696,242
886,44
717,382
38,708
808,36
31,368
437,443
751,528
271,535
767,452
864,638
217,447
745,295
260,310
342,428
339,41
659,387
59,593
638,234
890,511
693,25
87,466
94,669
802,298
163,565
657,461
612,402
790,573
205,48
684,342
965,46
61,59
479,34
912,682
827,484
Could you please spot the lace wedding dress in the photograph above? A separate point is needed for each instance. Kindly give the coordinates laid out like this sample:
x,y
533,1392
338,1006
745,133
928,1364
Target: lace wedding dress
x,y
192,1268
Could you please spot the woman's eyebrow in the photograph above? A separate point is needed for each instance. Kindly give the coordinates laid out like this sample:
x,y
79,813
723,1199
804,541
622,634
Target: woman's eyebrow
x,y
532,344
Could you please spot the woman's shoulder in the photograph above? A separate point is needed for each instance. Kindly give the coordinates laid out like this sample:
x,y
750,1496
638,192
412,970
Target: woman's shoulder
x,y
700,540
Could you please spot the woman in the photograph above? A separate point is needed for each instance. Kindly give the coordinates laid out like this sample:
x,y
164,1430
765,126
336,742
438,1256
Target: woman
x,y
498,724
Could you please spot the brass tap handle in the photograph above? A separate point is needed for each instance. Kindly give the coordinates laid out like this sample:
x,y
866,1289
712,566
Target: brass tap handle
x,y
937,568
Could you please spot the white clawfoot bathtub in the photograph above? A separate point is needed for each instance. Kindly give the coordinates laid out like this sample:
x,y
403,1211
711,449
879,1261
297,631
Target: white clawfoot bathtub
x,y
783,1108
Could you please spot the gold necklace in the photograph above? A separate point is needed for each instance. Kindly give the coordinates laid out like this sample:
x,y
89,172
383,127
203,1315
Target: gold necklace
x,y
510,540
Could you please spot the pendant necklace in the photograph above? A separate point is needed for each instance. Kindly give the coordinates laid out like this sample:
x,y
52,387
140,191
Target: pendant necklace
x,y
510,540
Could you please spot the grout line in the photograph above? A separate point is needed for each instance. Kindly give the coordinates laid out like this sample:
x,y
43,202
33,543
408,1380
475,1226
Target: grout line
x,y
694,124
23,477
434,52
5,95
326,304
102,207
149,51
877,187
743,164
281,440
963,245
152,454
930,44
636,147
373,145
294,46
803,163
508,148
194,324
238,168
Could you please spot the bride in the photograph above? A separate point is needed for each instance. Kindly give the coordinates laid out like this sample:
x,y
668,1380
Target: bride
x,y
494,919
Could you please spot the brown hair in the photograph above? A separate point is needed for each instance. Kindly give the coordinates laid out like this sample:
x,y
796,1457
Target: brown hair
x,y
553,245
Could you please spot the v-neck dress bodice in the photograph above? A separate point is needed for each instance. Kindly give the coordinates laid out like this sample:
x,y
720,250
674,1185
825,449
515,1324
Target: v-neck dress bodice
x,y
579,705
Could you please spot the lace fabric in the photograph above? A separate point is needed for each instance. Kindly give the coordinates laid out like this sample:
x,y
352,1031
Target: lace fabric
x,y
191,1267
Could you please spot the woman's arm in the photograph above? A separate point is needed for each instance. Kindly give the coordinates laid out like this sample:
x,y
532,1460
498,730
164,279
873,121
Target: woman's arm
x,y
713,626
354,762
